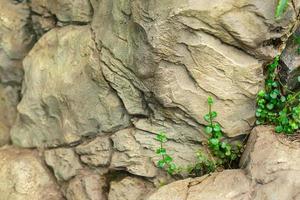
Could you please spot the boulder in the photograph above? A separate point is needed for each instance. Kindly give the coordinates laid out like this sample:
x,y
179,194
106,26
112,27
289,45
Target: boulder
x,y
172,55
24,176
66,96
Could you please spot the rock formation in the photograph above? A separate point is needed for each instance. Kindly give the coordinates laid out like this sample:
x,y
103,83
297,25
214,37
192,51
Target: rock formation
x,y
85,86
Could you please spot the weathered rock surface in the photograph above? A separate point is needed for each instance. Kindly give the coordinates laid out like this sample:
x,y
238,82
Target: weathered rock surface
x,y
78,11
96,152
24,177
16,39
270,170
87,186
9,99
129,155
290,63
65,95
64,163
180,52
106,76
129,188
273,163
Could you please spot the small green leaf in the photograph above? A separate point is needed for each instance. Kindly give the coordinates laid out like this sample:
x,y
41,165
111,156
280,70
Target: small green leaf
x,y
207,117
217,127
161,137
274,95
298,78
214,141
161,151
208,130
261,93
213,114
168,159
279,129
270,106
210,100
161,163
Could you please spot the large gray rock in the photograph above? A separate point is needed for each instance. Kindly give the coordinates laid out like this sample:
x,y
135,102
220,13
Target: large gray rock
x,y
24,177
270,170
273,163
174,54
64,163
65,95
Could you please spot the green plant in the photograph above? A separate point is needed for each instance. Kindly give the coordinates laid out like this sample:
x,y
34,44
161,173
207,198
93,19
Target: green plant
x,y
166,160
220,148
281,7
222,153
204,165
276,104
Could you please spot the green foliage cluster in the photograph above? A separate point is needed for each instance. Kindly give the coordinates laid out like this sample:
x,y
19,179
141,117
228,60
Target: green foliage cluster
x,y
204,165
273,107
223,153
276,104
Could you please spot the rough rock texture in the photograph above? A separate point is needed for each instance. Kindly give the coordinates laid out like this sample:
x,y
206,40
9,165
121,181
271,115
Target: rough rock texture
x,y
64,163
65,95
270,170
179,52
76,11
128,188
97,152
87,186
290,63
9,99
103,77
24,177
16,39
129,155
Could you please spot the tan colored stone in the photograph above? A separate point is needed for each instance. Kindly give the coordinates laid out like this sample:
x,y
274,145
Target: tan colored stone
x,y
24,177
87,186
96,152
129,188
